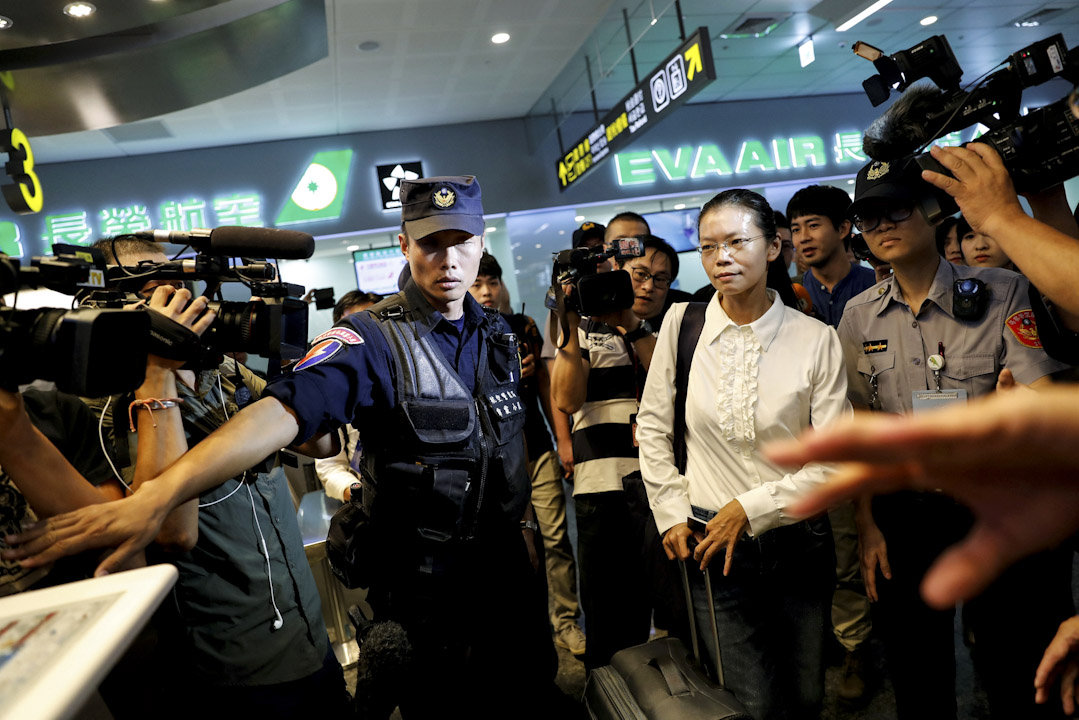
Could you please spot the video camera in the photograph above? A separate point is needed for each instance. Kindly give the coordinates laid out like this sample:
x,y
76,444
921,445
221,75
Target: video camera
x,y
594,293
273,325
89,352
1039,149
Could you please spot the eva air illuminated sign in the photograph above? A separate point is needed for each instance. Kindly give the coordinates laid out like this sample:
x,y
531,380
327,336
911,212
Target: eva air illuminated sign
x,y
840,152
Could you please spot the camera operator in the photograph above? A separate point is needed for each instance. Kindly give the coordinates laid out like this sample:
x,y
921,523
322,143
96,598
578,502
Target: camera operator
x,y
246,623
589,235
597,377
932,335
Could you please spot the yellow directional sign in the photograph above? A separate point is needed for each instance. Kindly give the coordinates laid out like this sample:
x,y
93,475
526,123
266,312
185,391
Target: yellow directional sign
x,y
693,61
665,88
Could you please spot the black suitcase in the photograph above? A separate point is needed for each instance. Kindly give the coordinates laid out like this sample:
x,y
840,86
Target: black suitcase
x,y
663,679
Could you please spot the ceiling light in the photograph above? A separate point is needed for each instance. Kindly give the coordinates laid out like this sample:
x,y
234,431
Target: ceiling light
x,y
79,9
539,245
5,22
499,38
352,248
578,218
850,182
491,229
1036,19
928,20
843,27
680,206
805,51
654,21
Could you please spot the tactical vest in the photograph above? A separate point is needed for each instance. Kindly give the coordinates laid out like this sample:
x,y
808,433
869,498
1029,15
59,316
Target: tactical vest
x,y
445,464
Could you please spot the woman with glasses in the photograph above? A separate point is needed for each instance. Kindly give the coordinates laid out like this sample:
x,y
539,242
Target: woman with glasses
x,y
761,371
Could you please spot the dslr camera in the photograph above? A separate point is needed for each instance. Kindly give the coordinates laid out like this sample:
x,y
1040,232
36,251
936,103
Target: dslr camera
x,y
594,293
90,351
274,325
1039,149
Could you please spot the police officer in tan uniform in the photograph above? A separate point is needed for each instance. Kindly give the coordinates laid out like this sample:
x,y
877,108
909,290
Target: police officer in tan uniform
x,y
931,335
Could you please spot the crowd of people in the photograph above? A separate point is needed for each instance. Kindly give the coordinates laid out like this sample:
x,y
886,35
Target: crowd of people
x,y
851,451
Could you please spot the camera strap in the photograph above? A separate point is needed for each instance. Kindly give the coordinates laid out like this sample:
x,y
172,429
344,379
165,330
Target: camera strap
x,y
559,310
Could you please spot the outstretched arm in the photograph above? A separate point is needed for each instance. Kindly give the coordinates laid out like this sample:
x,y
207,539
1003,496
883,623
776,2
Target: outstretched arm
x,y
131,524
974,453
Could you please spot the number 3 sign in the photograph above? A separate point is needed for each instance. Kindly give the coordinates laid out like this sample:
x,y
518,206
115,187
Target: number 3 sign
x,y
24,196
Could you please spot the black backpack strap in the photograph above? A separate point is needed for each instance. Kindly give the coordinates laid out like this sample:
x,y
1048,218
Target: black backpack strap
x,y
688,334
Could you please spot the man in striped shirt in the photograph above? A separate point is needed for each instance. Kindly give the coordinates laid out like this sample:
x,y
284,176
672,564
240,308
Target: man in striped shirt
x,y
596,378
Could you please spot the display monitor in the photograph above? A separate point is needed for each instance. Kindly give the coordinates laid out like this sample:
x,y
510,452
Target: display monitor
x,y
678,227
377,269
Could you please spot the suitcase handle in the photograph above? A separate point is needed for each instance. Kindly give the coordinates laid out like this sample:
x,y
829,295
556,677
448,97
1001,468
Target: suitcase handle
x,y
676,683
720,681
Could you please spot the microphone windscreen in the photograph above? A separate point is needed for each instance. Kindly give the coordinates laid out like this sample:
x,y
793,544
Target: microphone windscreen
x,y
239,241
901,130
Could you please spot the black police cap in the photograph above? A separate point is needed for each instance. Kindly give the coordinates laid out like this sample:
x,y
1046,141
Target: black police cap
x,y
429,205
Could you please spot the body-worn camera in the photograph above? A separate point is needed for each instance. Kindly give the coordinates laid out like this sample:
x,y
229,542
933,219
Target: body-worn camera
x,y
1039,149
89,352
594,293
275,324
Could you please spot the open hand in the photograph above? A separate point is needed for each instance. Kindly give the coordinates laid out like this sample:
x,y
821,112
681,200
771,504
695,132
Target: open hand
x,y
127,525
977,453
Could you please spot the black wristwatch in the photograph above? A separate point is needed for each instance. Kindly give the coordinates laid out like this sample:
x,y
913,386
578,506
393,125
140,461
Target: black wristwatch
x,y
643,330
529,525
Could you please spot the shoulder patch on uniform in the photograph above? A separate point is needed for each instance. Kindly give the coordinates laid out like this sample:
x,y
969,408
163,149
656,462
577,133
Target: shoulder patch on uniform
x,y
1025,329
346,335
874,346
320,352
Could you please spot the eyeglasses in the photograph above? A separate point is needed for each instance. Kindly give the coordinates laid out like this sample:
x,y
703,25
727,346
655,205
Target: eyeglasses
x,y
658,281
732,246
869,219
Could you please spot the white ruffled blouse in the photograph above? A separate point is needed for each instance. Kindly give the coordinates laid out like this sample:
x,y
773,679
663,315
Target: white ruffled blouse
x,y
749,385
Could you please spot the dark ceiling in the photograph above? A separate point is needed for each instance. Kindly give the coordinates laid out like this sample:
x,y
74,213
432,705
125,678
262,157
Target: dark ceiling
x,y
135,59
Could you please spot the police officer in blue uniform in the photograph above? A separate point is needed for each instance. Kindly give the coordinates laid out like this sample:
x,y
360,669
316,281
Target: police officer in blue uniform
x,y
429,378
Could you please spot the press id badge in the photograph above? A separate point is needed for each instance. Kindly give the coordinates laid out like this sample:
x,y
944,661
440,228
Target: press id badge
x,y
926,400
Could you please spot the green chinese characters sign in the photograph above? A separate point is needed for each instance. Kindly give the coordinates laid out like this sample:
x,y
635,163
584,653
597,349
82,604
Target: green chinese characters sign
x,y
318,194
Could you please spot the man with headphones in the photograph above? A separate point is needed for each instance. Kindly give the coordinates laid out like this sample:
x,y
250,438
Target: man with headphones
x,y
244,627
